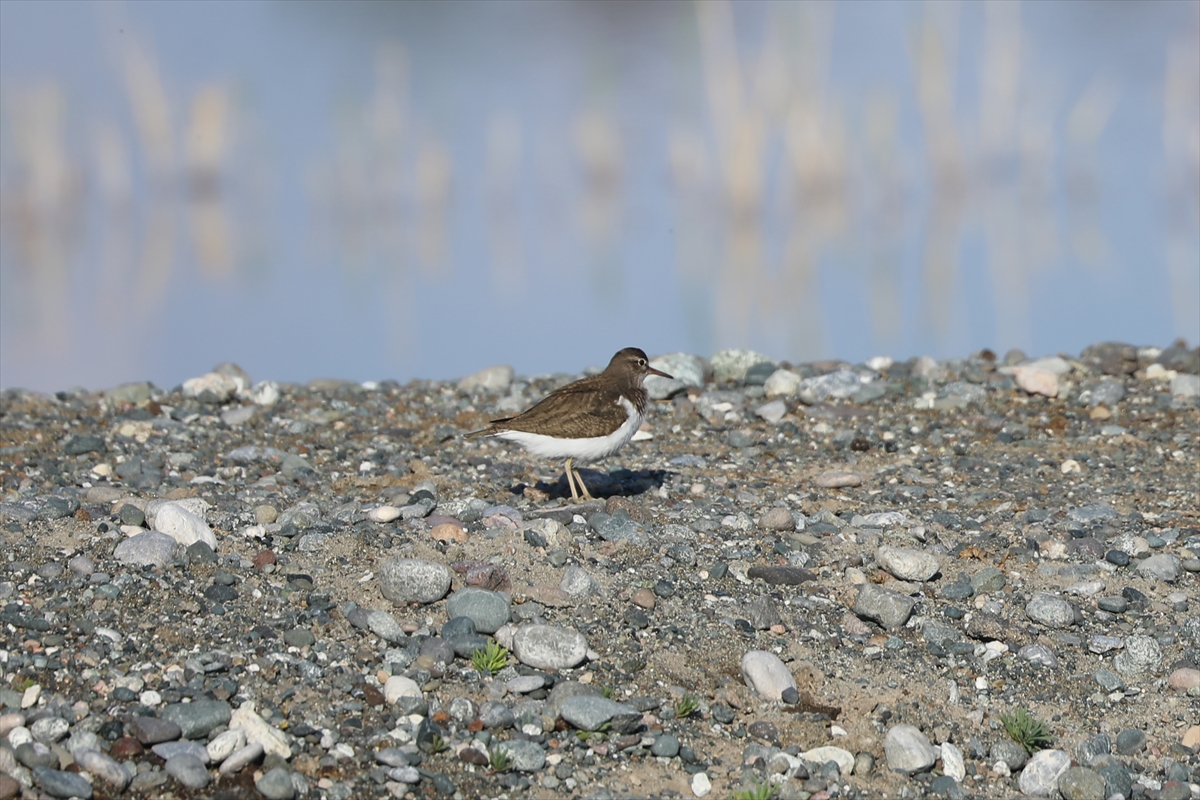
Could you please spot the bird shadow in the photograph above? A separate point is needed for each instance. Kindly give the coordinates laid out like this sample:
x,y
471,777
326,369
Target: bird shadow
x,y
618,483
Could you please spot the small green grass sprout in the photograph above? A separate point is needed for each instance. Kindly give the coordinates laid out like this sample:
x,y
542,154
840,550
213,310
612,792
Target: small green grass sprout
x,y
491,659
759,790
499,758
1026,729
689,704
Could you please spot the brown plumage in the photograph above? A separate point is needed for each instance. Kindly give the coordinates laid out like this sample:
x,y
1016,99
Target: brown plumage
x,y
585,420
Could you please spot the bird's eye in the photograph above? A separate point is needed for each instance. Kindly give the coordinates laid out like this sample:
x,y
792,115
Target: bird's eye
x,y
641,362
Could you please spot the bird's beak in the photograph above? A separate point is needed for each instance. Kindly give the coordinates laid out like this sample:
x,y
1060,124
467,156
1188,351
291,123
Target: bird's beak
x,y
659,373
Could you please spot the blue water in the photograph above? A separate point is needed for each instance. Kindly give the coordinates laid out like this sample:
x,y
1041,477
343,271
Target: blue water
x,y
350,282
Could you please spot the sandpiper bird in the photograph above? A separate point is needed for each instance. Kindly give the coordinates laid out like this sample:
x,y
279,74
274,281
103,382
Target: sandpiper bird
x,y
586,420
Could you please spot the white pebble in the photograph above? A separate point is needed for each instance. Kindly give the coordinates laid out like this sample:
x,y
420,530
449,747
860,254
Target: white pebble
x,y
383,514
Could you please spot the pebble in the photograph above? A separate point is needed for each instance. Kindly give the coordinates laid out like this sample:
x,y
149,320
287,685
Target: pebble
x,y
103,767
151,548
385,626
952,762
57,783
908,564
701,784
1162,566
908,750
1184,678
1034,379
619,527
837,385
197,718
1053,612
276,784
890,609
549,646
1081,783
413,580
1142,657
766,674
383,514
772,411
1130,741
224,744
49,730
168,750
777,519
488,610
838,480
1040,776
398,686
782,383
188,770
579,584
591,712
643,598
732,365
495,379
524,756
822,755
257,730
241,758
152,730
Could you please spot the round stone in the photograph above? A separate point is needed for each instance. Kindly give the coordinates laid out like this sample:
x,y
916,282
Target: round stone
x,y
488,610
908,564
413,580
777,519
1046,609
766,674
549,647
276,784
908,750
188,770
1041,773
1142,657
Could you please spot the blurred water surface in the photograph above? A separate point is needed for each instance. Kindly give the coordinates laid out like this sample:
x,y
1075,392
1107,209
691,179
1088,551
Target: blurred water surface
x,y
392,190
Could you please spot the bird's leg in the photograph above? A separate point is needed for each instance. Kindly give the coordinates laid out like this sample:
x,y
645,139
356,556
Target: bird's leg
x,y
571,483
583,486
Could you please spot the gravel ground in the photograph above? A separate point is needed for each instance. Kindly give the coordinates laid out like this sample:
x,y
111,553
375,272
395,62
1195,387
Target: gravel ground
x,y
831,579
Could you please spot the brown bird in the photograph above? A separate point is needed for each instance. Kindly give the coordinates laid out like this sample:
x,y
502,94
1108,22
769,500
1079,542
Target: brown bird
x,y
586,420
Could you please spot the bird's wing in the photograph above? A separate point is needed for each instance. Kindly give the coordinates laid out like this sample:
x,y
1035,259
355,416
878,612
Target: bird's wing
x,y
567,412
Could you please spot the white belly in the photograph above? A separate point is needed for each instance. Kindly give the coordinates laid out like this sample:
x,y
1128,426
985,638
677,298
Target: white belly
x,y
581,450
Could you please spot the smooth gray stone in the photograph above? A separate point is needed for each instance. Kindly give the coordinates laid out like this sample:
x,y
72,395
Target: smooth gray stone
x,y
188,770
103,766
618,527
1048,610
150,548
665,746
890,609
524,756
1081,783
197,718
49,730
385,626
276,784
489,610
1011,753
168,750
1141,657
1163,566
241,758
35,754
549,647
494,714
407,580
1130,741
1040,776
578,583
908,749
57,783
591,712
152,730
